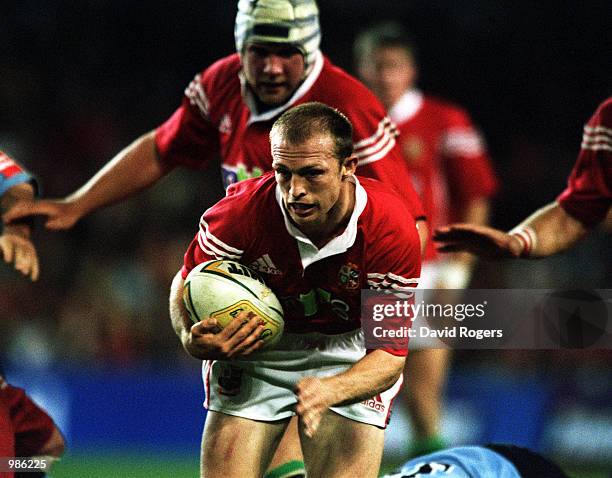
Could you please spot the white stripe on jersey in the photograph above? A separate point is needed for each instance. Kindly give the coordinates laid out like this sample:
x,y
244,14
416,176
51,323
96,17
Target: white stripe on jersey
x,y
5,163
597,129
462,141
197,96
228,248
391,275
384,124
391,281
219,249
377,146
598,138
388,285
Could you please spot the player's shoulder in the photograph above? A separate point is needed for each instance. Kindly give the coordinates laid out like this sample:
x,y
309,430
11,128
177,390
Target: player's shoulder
x,y
450,111
340,89
222,71
384,207
253,191
603,115
241,208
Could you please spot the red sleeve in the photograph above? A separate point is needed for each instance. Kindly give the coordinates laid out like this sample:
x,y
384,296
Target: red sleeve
x,y
466,160
376,147
588,195
396,262
188,138
218,236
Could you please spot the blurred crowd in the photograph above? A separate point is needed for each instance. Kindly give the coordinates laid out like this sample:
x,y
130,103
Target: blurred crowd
x,y
79,81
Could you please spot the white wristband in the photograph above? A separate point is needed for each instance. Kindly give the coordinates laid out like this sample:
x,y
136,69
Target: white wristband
x,y
527,237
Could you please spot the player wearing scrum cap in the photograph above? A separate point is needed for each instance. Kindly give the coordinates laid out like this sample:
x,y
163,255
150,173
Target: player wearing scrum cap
x,y
229,108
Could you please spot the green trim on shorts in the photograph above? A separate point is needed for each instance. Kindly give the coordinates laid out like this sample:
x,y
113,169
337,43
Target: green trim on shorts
x,y
291,469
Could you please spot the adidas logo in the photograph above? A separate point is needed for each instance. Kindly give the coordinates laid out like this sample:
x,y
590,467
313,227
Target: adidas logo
x,y
375,403
265,265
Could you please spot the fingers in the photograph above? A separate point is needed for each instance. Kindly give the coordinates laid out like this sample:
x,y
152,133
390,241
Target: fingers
x,y
61,215
206,326
20,210
7,247
22,253
309,407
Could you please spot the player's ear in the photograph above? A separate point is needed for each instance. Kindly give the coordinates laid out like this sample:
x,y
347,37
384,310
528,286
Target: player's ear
x,y
349,166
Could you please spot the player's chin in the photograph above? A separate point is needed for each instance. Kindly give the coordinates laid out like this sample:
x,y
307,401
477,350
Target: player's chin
x,y
273,96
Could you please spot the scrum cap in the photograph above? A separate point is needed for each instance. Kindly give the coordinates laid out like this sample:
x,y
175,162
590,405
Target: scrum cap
x,y
294,22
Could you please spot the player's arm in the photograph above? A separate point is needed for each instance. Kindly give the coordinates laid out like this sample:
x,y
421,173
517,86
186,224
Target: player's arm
x,y
15,243
547,231
374,373
134,168
457,270
204,340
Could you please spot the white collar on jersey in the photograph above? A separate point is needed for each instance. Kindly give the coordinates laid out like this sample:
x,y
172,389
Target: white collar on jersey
x,y
407,106
249,98
309,253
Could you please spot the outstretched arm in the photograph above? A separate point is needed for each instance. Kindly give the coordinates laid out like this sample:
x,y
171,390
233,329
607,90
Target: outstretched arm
x,y
135,168
547,231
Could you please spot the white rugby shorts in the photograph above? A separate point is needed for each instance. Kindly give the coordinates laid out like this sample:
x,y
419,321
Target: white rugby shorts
x,y
262,388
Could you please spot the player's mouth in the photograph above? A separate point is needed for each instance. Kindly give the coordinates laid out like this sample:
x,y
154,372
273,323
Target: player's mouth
x,y
301,209
270,87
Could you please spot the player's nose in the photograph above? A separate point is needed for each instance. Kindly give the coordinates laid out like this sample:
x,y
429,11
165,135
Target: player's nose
x,y
273,65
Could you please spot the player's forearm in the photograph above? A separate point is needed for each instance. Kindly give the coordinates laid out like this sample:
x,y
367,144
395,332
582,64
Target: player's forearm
x,y
555,230
374,373
19,192
133,169
178,313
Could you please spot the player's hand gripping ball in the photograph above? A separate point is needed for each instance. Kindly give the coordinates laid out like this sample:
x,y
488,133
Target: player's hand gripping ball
x,y
222,289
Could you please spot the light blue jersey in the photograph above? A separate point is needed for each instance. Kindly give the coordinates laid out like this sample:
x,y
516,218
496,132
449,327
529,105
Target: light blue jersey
x,y
458,462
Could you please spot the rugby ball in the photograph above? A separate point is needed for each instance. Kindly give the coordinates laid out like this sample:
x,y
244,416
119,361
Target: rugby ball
x,y
222,289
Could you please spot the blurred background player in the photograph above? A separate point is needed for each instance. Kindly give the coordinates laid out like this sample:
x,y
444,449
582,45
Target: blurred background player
x,y
452,174
25,429
312,219
489,461
559,225
228,110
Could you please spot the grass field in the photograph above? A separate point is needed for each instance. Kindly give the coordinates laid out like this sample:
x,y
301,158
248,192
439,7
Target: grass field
x,y
134,465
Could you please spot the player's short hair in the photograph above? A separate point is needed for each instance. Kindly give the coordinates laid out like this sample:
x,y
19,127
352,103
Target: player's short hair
x,y
297,125
292,22
387,34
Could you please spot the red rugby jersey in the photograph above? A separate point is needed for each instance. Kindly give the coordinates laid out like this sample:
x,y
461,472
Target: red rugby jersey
x,y
318,288
446,156
588,195
218,116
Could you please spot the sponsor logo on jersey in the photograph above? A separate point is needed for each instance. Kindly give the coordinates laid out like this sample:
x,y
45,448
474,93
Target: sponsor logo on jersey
x,y
375,403
225,125
265,265
348,276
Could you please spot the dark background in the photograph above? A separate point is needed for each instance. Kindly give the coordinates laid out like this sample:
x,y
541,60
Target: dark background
x,y
80,80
